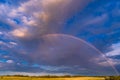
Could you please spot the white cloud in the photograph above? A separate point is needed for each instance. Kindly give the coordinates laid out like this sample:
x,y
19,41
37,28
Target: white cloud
x,y
115,50
97,20
7,45
32,74
21,32
13,43
10,61
1,33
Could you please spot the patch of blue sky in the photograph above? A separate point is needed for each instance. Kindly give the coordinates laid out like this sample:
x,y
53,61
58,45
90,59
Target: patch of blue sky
x,y
90,10
35,65
5,26
99,36
17,21
12,2
5,40
4,52
115,57
2,1
3,60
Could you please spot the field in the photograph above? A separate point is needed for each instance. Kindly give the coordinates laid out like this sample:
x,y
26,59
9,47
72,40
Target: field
x,y
58,78
37,78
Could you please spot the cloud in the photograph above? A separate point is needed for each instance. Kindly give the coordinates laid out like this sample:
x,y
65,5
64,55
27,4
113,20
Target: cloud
x,y
114,54
31,25
72,56
96,23
115,50
32,74
47,15
12,2
1,33
10,61
42,18
13,43
73,52
19,32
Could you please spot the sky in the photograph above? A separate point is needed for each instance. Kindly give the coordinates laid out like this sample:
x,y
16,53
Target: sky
x,y
74,37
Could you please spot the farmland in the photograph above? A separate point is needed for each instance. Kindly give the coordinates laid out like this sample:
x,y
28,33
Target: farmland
x,y
60,78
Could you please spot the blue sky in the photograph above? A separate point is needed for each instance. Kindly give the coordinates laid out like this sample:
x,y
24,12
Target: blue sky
x,y
60,37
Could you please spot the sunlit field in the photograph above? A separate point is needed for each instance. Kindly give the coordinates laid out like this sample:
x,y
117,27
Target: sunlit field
x,y
21,77
39,78
32,78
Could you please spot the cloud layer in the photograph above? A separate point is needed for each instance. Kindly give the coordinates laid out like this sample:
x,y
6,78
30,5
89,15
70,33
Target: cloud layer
x,y
42,36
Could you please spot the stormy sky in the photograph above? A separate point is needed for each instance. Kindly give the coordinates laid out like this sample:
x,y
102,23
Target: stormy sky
x,y
76,37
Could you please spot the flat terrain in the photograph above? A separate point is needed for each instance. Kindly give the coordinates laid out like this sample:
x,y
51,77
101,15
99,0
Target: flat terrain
x,y
35,78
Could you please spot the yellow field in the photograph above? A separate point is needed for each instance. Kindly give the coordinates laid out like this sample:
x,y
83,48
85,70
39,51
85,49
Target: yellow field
x,y
32,78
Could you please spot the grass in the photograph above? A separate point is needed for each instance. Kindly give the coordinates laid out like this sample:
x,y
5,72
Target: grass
x,y
51,78
19,77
